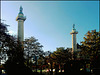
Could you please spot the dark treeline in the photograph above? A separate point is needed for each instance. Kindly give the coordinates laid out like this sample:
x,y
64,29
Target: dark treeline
x,y
29,56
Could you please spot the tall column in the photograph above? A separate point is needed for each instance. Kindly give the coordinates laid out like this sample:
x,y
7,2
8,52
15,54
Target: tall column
x,y
74,43
21,18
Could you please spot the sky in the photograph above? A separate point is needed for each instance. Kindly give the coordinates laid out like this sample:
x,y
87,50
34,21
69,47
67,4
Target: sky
x,y
51,21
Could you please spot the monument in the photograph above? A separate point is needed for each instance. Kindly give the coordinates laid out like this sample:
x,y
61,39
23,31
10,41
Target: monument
x,y
20,18
74,42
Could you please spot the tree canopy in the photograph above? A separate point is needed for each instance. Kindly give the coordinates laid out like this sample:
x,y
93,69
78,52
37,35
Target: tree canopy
x,y
61,55
91,44
10,49
32,49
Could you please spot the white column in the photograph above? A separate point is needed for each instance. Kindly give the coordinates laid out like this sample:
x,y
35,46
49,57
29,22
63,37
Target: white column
x,y
74,42
20,30
21,18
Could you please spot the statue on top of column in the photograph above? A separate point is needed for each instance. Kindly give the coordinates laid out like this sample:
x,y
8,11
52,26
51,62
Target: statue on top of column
x,y
73,26
21,9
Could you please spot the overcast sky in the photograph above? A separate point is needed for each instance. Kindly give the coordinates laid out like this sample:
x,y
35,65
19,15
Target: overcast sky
x,y
51,21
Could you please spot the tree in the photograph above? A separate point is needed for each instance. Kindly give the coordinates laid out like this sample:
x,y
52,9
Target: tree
x,y
3,37
61,56
32,50
98,44
9,47
90,45
41,62
13,51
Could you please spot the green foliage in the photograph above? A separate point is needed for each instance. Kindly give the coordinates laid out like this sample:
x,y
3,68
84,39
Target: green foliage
x,y
58,58
4,41
61,55
41,60
91,45
10,49
32,48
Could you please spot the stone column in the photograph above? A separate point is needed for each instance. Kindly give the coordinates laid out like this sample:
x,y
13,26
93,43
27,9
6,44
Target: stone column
x,y
74,43
21,18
